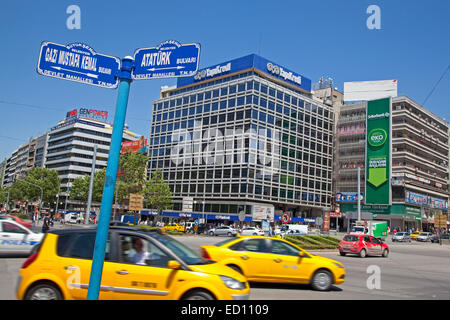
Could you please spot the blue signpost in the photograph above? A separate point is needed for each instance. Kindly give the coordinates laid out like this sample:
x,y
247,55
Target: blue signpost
x,y
78,62
167,60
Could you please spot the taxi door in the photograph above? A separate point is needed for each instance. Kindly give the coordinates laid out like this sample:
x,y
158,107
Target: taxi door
x,y
253,254
74,265
142,272
286,264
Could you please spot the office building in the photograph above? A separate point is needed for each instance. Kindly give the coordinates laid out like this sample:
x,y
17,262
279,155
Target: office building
x,y
244,136
420,153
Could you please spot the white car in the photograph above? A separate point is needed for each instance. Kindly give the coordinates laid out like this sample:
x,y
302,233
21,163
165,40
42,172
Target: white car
x,y
252,231
424,236
16,239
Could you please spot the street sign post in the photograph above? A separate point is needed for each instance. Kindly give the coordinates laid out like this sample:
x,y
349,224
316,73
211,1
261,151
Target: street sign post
x,y
78,62
169,59
285,217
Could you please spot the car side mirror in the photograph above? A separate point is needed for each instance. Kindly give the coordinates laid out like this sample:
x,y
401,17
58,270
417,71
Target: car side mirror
x,y
175,265
301,254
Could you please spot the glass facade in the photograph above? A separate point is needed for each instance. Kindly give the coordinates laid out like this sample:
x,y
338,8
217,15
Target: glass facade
x,y
244,138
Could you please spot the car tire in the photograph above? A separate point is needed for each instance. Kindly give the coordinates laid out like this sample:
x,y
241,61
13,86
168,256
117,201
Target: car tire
x,y
43,291
255,234
229,234
342,253
322,280
198,295
211,233
385,253
363,253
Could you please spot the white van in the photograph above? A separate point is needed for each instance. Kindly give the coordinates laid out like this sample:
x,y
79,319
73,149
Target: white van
x,y
295,229
73,217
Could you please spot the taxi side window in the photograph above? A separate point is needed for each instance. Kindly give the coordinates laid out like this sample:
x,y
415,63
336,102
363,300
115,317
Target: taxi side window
x,y
79,246
140,251
12,228
280,247
253,245
366,239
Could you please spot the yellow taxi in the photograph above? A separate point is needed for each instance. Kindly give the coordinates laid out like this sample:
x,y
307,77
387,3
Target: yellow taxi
x,y
138,265
267,259
414,235
174,227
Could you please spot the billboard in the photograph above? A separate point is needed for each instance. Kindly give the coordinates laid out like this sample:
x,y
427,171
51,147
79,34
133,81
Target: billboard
x,y
378,152
370,90
263,212
135,146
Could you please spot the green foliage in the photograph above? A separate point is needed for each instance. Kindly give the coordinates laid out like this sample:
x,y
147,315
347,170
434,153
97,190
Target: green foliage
x,y
157,193
132,167
80,187
28,189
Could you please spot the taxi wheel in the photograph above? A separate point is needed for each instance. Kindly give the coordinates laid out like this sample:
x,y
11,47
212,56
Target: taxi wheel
x,y
322,280
363,253
43,291
198,295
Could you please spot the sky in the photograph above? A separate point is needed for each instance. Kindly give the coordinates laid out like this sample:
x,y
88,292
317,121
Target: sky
x,y
326,38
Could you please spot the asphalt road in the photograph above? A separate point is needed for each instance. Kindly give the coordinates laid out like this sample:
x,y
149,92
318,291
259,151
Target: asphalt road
x,y
412,271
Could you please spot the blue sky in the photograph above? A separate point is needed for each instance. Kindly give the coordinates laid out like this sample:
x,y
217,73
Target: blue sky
x,y
313,38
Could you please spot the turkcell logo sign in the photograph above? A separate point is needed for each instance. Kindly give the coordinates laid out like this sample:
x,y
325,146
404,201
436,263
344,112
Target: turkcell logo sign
x,y
78,62
169,59
377,137
378,152
282,73
249,62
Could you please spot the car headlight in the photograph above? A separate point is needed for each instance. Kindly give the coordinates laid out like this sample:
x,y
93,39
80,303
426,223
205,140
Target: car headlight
x,y
338,265
232,283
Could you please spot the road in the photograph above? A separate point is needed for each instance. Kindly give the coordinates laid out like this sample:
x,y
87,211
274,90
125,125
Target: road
x,y
412,271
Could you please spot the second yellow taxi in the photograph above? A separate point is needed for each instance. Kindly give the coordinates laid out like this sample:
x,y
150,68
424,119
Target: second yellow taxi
x,y
266,259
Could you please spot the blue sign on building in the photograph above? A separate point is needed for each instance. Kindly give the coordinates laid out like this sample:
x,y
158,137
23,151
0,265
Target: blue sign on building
x,y
78,62
249,62
169,59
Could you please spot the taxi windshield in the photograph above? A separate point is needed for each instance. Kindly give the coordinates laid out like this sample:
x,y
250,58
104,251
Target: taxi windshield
x,y
181,251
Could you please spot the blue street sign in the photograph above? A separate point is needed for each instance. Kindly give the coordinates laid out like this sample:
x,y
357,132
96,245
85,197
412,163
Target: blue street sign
x,y
167,60
78,62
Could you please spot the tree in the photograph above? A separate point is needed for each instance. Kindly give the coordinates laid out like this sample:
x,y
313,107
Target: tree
x,y
157,193
80,187
131,178
27,190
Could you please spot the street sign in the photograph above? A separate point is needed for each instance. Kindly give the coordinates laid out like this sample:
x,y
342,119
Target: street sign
x,y
169,59
188,204
135,203
440,221
78,62
285,217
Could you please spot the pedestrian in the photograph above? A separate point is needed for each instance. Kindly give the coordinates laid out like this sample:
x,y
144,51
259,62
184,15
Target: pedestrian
x,y
46,224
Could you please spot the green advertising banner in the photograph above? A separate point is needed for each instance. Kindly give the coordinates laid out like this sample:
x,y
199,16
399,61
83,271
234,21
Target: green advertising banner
x,y
378,152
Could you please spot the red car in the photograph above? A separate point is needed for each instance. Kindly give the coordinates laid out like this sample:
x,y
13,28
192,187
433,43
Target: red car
x,y
16,219
363,245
